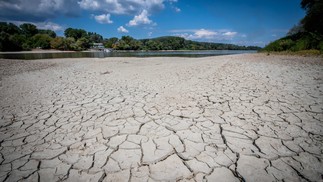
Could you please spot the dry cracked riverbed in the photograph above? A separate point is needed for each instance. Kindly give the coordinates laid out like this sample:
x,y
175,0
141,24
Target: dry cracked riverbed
x,y
227,118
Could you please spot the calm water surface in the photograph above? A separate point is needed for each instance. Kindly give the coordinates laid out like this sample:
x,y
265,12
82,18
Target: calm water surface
x,y
50,55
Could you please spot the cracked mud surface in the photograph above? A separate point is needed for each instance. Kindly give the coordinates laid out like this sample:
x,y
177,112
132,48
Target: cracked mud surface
x,y
234,118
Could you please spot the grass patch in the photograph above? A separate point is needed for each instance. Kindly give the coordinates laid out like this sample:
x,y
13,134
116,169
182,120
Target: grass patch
x,y
305,53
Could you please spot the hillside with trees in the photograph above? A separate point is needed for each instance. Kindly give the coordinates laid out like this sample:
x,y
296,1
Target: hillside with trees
x,y
27,37
307,35
169,43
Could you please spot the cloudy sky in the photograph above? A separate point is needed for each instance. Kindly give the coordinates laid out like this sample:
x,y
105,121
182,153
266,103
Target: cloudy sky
x,y
243,22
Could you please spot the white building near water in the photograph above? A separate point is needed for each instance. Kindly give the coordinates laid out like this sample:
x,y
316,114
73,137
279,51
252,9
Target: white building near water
x,y
100,47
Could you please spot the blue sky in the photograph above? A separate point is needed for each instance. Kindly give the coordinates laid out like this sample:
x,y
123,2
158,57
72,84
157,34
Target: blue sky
x,y
243,22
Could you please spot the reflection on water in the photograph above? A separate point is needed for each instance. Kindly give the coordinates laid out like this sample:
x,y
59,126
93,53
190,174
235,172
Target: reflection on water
x,y
121,54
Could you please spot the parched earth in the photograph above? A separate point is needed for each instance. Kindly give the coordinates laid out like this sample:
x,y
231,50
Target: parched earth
x,y
227,118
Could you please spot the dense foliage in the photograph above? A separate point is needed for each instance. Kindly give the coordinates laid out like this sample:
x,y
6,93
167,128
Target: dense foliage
x,y
24,37
305,36
27,36
170,43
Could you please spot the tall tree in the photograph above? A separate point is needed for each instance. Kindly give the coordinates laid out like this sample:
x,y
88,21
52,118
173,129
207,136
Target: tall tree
x,y
94,37
75,33
41,40
58,43
51,33
109,43
9,28
313,21
29,29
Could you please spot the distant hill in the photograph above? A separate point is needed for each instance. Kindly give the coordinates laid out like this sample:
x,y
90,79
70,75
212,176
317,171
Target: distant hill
x,y
174,43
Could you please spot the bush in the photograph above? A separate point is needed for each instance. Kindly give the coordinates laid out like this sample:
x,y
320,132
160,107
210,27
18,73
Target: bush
x,y
58,43
301,44
41,40
320,46
296,42
81,44
11,42
286,44
274,46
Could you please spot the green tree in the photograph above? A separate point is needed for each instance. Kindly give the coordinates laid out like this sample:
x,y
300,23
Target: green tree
x,y
28,29
4,37
308,34
41,40
82,44
109,43
313,21
296,29
75,33
94,37
70,43
51,33
16,41
122,45
9,28
152,45
128,43
11,42
58,43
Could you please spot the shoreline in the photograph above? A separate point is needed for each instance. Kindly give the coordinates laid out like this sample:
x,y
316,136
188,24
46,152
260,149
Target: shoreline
x,y
101,54
59,51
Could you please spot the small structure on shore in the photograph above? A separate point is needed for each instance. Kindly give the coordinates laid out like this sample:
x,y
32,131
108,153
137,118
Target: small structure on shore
x,y
100,47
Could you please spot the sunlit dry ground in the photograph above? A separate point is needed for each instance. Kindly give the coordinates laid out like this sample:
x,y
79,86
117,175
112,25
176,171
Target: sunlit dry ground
x,y
242,117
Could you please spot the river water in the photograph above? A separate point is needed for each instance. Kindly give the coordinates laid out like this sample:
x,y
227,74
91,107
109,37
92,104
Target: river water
x,y
50,55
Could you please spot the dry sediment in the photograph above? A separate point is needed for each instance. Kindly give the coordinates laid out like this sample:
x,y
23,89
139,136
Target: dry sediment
x,y
238,118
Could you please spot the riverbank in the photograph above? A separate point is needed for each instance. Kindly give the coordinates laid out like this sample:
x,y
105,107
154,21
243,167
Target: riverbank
x,y
248,117
103,54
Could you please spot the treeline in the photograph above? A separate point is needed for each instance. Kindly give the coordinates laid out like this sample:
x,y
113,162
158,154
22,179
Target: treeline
x,y
307,35
170,43
27,37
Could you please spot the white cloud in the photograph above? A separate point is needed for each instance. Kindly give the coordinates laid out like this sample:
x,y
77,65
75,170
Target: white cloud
x,y
229,33
51,4
40,10
196,34
50,26
121,29
140,19
177,9
103,19
130,7
42,25
37,10
89,4
45,10
172,1
204,34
